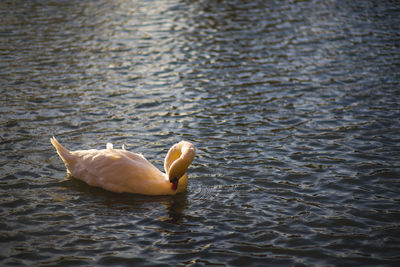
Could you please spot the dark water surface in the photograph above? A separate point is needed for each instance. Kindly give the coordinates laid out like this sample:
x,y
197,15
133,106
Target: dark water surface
x,y
294,107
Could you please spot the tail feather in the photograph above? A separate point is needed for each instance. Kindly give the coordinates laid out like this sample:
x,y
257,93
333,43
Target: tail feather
x,y
64,154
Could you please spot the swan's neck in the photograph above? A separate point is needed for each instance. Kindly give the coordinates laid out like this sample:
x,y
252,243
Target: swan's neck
x,y
176,163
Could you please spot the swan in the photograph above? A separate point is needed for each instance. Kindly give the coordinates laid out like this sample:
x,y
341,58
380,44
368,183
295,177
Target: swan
x,y
119,170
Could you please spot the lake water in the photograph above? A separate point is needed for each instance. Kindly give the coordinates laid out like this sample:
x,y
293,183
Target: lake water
x,y
293,106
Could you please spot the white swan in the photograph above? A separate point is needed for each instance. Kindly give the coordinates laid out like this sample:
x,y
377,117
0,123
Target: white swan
x,y
118,170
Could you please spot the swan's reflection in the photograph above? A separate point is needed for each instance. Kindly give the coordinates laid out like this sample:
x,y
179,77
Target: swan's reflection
x,y
175,205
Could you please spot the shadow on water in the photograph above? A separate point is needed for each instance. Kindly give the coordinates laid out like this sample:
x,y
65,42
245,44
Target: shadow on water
x,y
174,205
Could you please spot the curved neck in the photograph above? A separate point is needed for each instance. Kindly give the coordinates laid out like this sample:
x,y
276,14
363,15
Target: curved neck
x,y
178,160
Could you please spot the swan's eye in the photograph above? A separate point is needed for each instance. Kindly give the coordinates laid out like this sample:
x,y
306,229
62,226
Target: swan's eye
x,y
174,180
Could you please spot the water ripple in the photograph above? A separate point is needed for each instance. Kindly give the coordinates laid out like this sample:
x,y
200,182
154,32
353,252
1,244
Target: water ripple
x,y
292,105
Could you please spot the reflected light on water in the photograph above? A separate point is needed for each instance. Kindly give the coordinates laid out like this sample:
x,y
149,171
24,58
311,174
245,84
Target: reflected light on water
x,y
292,105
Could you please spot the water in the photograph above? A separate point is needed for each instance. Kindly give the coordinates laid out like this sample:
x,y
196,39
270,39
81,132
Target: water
x,y
293,107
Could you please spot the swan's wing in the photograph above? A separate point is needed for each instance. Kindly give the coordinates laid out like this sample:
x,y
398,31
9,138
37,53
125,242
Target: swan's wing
x,y
93,165
115,170
124,152
131,155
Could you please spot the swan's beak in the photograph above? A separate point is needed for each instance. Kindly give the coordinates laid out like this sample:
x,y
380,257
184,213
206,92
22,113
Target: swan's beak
x,y
174,183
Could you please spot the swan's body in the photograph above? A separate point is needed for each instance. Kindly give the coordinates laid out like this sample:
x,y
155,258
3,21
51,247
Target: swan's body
x,y
118,170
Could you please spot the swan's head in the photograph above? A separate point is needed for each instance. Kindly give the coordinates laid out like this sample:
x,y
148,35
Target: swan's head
x,y
178,160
